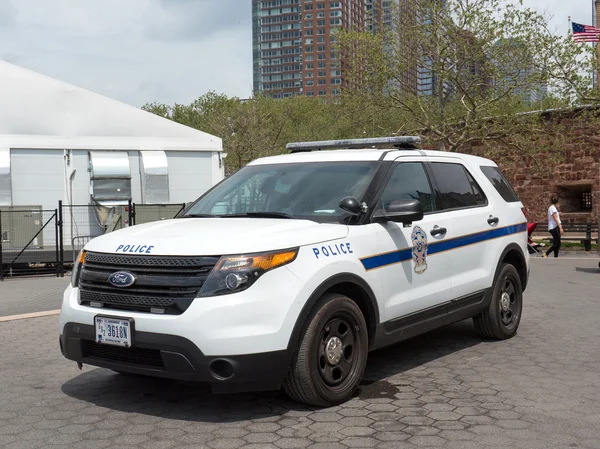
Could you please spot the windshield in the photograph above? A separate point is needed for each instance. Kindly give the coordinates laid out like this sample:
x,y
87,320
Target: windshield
x,y
308,190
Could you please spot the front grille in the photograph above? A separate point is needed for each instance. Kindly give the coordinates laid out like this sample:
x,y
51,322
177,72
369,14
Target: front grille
x,y
132,356
168,283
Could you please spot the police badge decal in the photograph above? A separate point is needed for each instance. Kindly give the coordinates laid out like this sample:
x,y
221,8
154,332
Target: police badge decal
x,y
419,249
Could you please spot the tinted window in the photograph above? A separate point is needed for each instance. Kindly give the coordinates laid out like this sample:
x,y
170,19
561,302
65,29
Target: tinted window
x,y
500,183
409,181
456,187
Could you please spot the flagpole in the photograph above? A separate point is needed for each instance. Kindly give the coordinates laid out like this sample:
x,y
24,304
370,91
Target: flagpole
x,y
595,20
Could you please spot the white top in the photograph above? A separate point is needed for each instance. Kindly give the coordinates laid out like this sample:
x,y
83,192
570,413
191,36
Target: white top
x,y
551,222
43,113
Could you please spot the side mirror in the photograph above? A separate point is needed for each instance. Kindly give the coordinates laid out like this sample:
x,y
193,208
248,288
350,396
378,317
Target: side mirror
x,y
351,205
400,211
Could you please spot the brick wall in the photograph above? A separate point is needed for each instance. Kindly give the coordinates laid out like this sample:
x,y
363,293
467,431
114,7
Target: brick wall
x,y
568,164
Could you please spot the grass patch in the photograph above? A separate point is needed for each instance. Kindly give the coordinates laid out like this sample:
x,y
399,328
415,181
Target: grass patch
x,y
569,245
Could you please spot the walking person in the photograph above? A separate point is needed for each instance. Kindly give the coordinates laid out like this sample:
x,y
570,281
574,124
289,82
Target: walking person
x,y
554,227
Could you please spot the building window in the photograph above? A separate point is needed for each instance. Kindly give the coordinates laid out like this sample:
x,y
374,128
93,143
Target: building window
x,y
322,82
310,83
322,73
586,200
322,93
310,93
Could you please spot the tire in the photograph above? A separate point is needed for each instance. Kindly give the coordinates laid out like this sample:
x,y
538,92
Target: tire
x,y
332,354
503,315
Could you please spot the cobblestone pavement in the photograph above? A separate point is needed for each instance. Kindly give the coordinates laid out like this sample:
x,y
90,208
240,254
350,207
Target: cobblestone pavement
x,y
448,389
28,295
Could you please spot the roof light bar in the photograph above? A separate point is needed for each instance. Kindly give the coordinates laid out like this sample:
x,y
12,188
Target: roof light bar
x,y
397,141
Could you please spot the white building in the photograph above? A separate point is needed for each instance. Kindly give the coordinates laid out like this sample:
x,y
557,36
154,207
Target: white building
x,y
61,142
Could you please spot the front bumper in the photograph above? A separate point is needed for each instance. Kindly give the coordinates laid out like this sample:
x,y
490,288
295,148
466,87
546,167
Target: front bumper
x,y
175,357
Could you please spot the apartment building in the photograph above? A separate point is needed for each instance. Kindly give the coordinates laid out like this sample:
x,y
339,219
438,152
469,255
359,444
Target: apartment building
x,y
293,45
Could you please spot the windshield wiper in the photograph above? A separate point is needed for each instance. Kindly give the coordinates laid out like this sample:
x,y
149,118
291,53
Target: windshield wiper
x,y
199,216
261,215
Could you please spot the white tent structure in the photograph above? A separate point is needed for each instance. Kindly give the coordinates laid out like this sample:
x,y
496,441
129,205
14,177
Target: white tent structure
x,y
61,142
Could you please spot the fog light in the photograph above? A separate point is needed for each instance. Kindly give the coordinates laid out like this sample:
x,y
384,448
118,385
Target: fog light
x,y
234,280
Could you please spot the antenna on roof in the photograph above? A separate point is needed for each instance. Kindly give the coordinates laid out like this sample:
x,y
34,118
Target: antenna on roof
x,y
404,142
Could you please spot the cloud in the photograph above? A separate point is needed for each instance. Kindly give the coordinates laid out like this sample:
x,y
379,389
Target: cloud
x,y
106,47
8,14
198,20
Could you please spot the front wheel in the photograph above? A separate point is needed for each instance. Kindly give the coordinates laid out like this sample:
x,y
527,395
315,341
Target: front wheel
x,y
503,315
331,358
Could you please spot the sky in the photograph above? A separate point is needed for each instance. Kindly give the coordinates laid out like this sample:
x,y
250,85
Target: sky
x,y
165,51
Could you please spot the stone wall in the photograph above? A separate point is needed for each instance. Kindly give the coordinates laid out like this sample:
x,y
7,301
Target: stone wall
x,y
567,165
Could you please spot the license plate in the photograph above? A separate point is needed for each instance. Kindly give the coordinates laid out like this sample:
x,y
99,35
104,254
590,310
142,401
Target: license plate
x,y
113,331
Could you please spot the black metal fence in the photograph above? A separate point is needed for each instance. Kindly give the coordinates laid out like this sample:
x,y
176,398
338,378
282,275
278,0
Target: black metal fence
x,y
36,241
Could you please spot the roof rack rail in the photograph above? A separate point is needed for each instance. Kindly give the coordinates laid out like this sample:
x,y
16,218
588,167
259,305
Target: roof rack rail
x,y
404,142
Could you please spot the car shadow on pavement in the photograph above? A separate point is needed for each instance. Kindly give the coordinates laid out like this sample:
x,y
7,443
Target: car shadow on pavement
x,y
588,270
190,401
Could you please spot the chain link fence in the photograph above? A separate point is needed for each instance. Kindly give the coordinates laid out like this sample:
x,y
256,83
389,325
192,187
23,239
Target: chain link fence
x,y
29,241
35,241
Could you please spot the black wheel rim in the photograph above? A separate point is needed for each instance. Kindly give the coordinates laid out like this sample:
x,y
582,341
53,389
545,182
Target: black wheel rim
x,y
510,302
338,351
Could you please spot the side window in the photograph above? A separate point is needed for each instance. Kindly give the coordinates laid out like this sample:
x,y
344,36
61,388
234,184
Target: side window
x,y
409,181
456,188
500,183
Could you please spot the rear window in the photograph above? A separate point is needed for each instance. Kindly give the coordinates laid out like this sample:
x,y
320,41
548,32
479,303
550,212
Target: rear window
x,y
500,183
455,187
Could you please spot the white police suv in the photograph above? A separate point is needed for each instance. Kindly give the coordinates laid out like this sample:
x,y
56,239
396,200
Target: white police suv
x,y
287,273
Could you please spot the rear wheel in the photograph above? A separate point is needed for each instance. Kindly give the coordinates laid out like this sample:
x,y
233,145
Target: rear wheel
x,y
331,358
503,315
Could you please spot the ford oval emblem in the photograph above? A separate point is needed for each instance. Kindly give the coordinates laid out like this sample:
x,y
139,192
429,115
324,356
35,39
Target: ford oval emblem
x,y
121,279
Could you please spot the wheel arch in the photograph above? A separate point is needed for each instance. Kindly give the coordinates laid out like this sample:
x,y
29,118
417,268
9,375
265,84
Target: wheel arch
x,y
513,254
347,284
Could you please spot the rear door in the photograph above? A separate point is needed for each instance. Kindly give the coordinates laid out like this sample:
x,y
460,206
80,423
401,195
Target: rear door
x,y
473,220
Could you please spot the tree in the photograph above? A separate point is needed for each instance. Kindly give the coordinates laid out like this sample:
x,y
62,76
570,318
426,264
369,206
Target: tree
x,y
465,71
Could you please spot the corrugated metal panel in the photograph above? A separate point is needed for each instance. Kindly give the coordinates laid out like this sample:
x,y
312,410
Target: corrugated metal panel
x,y
5,182
111,175
155,177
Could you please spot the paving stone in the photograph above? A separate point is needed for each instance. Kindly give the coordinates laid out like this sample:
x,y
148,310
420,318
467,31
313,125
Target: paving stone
x,y
447,388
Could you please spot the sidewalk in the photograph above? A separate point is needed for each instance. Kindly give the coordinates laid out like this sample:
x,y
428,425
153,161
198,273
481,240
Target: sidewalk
x,y
28,295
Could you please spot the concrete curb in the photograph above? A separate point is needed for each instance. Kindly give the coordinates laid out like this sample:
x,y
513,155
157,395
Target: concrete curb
x,y
29,315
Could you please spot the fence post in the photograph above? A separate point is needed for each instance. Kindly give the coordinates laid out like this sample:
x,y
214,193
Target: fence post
x,y
56,244
133,214
61,261
1,268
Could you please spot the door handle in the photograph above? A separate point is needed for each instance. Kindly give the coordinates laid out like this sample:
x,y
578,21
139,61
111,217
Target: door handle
x,y
493,220
438,231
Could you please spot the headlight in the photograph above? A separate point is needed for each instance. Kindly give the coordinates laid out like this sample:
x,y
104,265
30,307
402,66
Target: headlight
x,y
234,274
77,263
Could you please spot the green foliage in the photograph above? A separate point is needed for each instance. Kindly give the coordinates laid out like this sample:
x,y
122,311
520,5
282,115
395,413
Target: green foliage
x,y
486,58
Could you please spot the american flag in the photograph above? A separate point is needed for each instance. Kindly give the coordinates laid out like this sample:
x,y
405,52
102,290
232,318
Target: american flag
x,y
585,33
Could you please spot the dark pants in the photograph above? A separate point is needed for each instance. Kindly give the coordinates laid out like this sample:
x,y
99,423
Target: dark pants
x,y
555,242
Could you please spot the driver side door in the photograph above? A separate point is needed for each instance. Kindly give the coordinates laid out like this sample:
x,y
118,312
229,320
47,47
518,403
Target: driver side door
x,y
415,280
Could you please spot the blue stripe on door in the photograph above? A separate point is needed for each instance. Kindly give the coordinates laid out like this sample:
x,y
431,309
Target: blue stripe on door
x,y
403,255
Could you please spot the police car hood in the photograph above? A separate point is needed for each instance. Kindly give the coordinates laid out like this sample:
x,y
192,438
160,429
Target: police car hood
x,y
216,236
